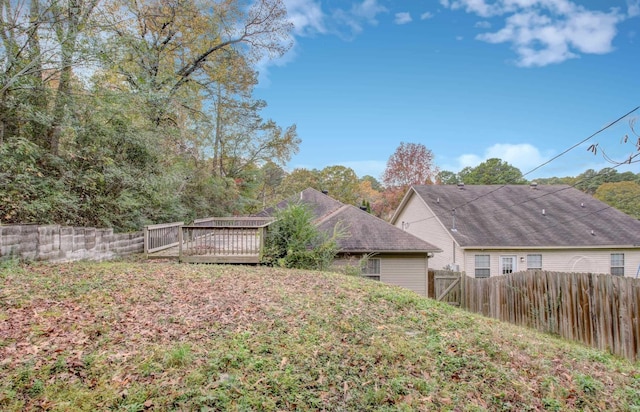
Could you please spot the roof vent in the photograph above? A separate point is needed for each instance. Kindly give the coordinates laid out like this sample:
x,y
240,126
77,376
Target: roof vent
x,y
460,185
582,204
593,233
362,207
325,192
534,185
544,212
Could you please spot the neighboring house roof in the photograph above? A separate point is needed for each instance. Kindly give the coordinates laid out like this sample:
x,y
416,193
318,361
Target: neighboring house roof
x,y
366,233
526,216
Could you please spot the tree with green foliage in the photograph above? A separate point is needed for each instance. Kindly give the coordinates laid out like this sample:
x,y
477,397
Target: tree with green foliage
x,y
590,180
492,172
556,180
445,177
293,241
341,183
298,180
624,196
190,141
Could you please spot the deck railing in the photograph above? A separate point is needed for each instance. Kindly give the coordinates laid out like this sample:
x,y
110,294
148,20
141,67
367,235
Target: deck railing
x,y
233,221
218,243
162,236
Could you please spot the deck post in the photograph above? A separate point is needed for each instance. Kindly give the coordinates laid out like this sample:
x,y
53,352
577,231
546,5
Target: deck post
x,y
263,236
146,241
180,243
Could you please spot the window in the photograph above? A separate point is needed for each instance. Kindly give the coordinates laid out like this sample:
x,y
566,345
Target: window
x,y
372,269
483,268
534,262
507,264
617,264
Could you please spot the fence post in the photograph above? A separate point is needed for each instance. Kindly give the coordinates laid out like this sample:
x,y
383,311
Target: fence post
x,y
431,287
463,290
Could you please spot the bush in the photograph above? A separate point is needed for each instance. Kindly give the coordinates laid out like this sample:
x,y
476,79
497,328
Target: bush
x,y
293,241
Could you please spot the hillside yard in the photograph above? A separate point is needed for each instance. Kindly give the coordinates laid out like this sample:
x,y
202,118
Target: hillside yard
x,y
136,336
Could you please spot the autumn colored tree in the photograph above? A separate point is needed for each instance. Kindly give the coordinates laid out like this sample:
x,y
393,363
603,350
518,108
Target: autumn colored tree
x,y
410,164
387,202
374,184
368,195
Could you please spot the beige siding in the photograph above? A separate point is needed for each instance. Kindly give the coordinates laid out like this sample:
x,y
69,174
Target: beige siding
x,y
407,271
576,260
419,220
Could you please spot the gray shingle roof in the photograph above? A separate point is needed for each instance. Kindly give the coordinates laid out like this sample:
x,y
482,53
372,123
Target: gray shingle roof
x,y
520,215
365,232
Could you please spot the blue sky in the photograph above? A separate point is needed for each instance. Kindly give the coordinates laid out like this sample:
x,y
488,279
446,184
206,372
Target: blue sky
x,y
520,80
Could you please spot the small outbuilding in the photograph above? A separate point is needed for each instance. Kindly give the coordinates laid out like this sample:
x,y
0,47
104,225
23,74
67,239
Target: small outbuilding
x,y
391,255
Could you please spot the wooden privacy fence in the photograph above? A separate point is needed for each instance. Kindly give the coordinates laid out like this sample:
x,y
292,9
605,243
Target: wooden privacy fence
x,y
160,237
444,286
602,311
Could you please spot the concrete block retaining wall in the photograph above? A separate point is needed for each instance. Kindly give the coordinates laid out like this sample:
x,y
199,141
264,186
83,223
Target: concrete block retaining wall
x,y
63,244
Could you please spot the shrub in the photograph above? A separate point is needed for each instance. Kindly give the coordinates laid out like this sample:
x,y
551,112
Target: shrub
x,y
293,241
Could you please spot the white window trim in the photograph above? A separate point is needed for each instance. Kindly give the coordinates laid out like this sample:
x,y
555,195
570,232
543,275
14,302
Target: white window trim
x,y
483,268
529,267
621,267
514,259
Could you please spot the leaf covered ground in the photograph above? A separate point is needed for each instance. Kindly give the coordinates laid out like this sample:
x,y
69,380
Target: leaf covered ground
x,y
139,336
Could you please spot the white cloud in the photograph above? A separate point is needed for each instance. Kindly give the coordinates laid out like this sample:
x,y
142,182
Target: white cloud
x,y
307,17
483,25
354,19
459,38
368,10
633,9
426,16
524,156
402,18
544,32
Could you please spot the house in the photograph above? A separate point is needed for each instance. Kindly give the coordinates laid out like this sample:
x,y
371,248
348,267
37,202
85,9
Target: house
x,y
489,230
395,256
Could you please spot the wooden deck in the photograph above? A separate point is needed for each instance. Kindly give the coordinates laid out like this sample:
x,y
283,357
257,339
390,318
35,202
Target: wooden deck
x,y
211,240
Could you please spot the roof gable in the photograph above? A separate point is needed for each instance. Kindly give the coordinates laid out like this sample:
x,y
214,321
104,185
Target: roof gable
x,y
364,232
528,216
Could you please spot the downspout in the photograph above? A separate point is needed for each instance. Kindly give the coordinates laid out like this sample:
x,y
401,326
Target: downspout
x,y
453,247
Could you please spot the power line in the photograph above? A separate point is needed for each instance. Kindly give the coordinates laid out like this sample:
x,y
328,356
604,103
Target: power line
x,y
604,171
571,186
581,142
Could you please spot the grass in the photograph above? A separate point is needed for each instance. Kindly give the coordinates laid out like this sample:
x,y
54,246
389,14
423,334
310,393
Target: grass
x,y
133,336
